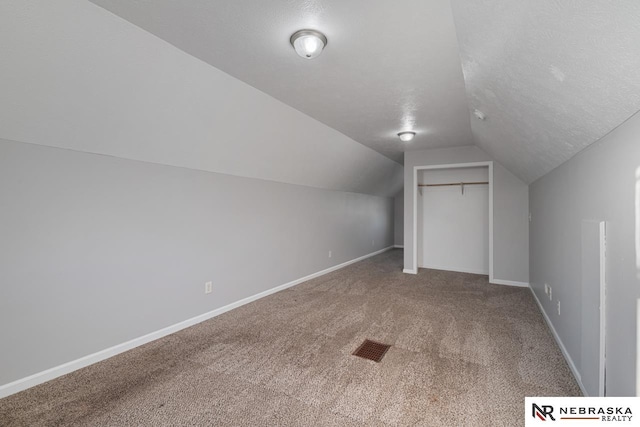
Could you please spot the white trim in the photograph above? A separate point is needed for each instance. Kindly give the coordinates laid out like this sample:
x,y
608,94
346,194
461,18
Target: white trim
x,y
491,221
414,184
510,283
457,270
637,348
408,271
398,246
65,368
565,353
602,365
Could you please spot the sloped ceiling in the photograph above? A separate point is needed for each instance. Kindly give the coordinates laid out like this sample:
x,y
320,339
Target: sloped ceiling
x,y
389,65
551,76
75,76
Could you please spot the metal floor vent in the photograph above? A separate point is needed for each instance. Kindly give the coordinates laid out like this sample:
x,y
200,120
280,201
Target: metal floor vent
x,y
371,350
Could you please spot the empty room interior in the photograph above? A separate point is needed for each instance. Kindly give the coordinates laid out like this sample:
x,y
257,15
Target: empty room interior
x,y
316,212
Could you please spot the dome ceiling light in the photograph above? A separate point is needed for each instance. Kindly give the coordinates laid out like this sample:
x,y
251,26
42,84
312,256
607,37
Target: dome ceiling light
x,y
308,43
479,114
406,136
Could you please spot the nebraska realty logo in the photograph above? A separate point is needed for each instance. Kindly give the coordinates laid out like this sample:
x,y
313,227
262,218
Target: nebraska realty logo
x,y
562,411
544,412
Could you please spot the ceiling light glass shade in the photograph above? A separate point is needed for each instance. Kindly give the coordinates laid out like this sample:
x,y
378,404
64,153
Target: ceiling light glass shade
x,y
479,114
406,136
308,43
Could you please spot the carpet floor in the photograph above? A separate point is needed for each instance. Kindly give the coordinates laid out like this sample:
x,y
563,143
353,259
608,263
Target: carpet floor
x,y
464,353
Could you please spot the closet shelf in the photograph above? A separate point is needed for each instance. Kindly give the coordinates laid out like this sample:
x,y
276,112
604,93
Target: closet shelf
x,y
453,183
461,184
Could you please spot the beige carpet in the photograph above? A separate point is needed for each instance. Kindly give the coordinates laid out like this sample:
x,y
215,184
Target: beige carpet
x,y
465,353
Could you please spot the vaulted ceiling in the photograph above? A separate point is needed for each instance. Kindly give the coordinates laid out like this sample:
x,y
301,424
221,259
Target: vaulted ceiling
x,y
551,76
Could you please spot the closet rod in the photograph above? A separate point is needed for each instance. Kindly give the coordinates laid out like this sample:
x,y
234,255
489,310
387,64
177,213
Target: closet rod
x,y
452,183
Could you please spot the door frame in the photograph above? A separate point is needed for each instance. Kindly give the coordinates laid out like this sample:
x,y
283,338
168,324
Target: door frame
x,y
489,165
602,351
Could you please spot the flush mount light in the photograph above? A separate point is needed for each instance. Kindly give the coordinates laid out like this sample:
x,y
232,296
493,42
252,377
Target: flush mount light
x,y
479,114
406,136
308,43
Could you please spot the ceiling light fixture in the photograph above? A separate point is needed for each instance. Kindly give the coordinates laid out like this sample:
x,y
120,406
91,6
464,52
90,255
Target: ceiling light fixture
x,y
308,43
479,114
406,136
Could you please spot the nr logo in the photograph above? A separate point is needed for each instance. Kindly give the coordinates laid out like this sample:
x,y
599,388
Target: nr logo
x,y
543,412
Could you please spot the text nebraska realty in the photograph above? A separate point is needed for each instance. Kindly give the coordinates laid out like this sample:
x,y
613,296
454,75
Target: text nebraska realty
x,y
606,413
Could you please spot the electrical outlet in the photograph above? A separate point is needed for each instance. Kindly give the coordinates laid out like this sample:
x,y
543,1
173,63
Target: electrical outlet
x,y
558,307
546,289
330,254
550,294
208,287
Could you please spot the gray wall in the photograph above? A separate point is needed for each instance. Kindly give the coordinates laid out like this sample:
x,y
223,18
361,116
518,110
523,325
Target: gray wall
x,y
511,209
97,250
398,218
601,183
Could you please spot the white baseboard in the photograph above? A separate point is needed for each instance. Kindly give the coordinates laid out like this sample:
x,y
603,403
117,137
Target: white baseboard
x,y
509,283
565,353
398,246
457,270
408,271
55,372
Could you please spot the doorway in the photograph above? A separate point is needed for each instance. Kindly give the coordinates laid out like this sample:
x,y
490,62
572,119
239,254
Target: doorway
x,y
593,322
453,219
488,168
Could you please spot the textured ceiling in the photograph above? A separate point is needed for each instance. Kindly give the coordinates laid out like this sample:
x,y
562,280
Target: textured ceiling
x,y
551,76
388,66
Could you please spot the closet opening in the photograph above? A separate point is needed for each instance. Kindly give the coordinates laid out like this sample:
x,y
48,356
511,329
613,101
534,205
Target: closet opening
x,y
453,217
